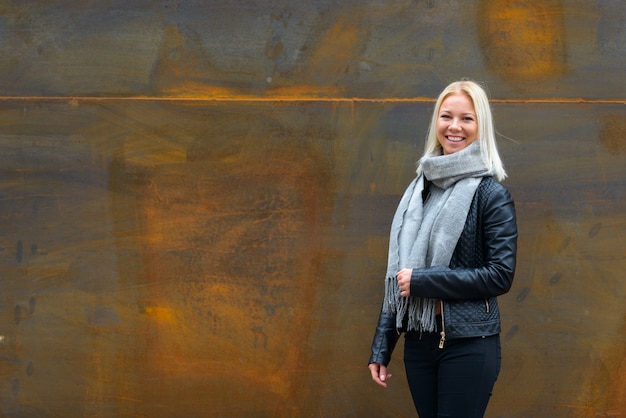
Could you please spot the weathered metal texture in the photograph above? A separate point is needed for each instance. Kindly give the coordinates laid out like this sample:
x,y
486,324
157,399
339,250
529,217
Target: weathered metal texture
x,y
195,200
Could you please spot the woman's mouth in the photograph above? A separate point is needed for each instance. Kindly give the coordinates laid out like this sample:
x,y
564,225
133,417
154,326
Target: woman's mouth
x,y
455,138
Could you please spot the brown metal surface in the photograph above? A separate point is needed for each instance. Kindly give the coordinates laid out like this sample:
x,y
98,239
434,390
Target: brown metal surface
x,y
195,200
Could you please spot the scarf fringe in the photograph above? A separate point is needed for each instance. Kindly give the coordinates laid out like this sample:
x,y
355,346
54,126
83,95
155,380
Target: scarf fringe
x,y
421,311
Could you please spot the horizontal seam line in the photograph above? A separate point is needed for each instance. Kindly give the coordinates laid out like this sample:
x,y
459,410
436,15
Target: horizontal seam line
x,y
297,99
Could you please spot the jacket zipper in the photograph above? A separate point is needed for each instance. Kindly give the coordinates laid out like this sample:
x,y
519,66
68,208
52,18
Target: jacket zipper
x,y
442,341
443,328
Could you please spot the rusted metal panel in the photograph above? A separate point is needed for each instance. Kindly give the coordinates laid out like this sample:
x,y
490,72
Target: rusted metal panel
x,y
349,48
195,200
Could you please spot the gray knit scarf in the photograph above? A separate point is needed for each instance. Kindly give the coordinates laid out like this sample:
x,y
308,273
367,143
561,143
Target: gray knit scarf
x,y
435,232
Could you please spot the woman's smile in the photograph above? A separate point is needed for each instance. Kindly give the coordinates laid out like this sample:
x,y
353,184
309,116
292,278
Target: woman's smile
x,y
455,138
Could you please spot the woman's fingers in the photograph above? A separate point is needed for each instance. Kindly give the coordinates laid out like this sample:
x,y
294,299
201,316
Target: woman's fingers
x,y
379,374
403,277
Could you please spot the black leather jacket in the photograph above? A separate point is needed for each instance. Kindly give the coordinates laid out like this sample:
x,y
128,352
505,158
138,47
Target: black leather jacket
x,y
481,268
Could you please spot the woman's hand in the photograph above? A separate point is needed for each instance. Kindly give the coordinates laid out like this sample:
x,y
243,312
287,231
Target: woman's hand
x,y
404,281
379,374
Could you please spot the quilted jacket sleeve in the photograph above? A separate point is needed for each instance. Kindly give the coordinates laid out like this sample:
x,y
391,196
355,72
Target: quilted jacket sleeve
x,y
484,260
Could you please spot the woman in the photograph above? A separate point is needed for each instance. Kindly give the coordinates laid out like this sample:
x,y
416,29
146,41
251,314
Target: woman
x,y
452,251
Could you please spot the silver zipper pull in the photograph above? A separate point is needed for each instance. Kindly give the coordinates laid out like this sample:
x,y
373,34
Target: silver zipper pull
x,y
443,339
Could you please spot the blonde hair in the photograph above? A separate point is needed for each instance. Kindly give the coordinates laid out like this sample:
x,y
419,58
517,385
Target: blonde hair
x,y
486,131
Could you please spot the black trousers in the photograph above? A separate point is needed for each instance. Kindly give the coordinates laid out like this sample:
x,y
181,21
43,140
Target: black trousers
x,y
455,381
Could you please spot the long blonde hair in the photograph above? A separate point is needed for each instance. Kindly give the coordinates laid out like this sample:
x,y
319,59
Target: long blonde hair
x,y
486,131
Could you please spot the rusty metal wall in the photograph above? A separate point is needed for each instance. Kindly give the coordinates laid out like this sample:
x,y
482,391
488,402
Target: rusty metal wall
x,y
195,199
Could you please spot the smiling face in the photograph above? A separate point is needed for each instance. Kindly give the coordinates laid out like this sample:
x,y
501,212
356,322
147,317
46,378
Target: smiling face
x,y
457,126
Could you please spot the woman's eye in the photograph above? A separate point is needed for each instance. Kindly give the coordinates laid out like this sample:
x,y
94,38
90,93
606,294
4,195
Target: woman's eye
x,y
445,117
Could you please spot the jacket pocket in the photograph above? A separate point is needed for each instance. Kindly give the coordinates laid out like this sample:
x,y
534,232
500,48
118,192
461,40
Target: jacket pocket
x,y
472,311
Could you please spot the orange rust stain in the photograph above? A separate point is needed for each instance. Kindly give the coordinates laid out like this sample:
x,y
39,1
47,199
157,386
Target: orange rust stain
x,y
612,395
335,50
612,134
198,90
617,391
183,64
302,91
160,314
523,41
266,208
